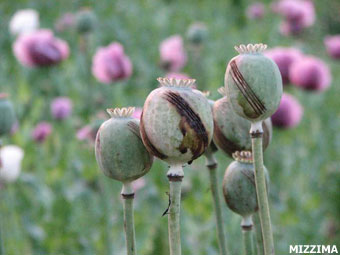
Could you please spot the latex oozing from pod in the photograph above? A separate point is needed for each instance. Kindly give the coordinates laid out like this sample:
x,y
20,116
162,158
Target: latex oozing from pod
x,y
176,123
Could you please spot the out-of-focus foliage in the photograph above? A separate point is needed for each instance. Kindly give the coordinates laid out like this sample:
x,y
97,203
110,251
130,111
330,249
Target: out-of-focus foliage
x,y
62,204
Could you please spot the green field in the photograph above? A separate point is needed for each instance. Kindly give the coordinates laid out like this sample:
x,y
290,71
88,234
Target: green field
x,y
63,204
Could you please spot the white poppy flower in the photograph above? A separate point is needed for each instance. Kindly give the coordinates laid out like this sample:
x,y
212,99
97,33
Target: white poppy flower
x,y
24,21
10,162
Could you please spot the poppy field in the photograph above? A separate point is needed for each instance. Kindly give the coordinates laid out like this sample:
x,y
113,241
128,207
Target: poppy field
x,y
67,67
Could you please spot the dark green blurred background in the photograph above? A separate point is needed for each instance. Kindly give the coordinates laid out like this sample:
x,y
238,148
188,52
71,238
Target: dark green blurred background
x,y
62,204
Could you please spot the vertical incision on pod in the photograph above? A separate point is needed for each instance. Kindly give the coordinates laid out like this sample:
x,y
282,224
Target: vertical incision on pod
x,y
226,145
150,147
255,103
134,128
190,120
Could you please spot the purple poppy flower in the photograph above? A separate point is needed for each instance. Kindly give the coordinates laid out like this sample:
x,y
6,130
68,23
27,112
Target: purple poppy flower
x,y
298,15
84,133
310,73
110,64
66,21
289,113
61,108
177,75
172,53
40,48
256,11
284,58
41,131
137,113
332,44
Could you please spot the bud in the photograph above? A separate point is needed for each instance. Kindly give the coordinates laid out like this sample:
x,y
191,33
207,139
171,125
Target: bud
x,y
239,184
85,21
253,82
231,132
7,115
119,149
176,123
10,163
197,33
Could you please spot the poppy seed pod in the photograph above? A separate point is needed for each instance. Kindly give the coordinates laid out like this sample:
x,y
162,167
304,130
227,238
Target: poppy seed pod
x,y
231,132
212,146
197,33
85,21
239,185
176,123
119,150
7,114
253,82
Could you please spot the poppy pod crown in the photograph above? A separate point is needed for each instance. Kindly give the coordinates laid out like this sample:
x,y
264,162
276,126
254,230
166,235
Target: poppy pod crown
x,y
253,83
119,149
176,123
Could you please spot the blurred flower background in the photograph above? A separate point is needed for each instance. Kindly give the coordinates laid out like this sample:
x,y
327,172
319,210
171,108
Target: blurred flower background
x,y
64,62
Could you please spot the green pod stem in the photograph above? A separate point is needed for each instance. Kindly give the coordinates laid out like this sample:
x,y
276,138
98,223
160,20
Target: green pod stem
x,y
256,133
247,226
211,164
175,176
248,242
129,226
258,234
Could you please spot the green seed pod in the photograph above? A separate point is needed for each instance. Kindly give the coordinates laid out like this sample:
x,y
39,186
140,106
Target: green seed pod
x,y
197,33
119,149
253,82
176,123
7,114
85,21
231,132
239,185
212,148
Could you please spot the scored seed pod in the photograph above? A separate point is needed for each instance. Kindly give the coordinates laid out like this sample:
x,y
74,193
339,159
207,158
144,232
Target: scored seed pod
x,y
231,131
119,149
176,123
212,148
7,115
253,82
239,184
